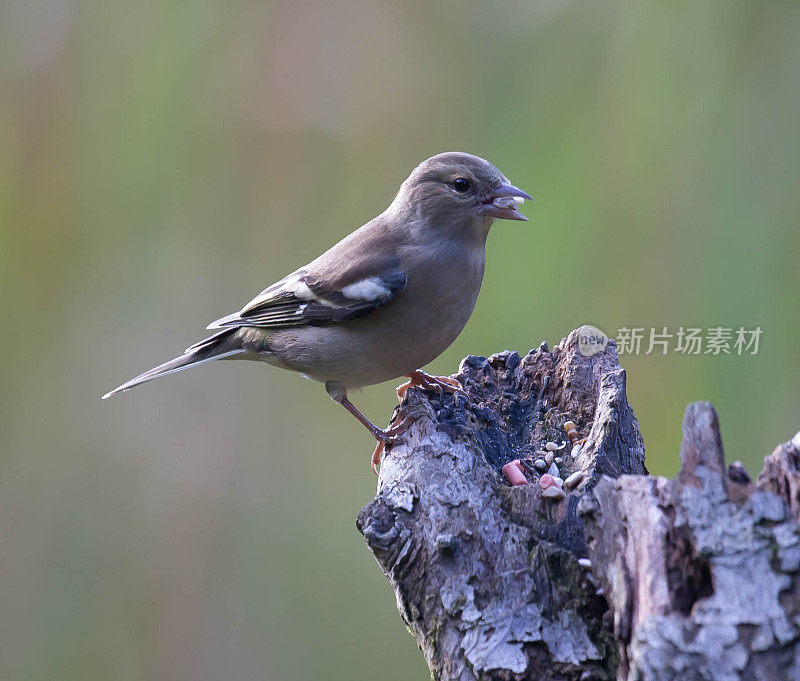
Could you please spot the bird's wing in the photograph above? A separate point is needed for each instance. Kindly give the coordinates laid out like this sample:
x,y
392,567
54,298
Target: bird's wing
x,y
318,296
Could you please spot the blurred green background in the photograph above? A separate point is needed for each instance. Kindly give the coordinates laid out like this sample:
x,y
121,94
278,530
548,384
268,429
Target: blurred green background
x,y
160,163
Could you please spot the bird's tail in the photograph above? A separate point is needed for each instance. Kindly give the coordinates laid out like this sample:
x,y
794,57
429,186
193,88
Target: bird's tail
x,y
219,346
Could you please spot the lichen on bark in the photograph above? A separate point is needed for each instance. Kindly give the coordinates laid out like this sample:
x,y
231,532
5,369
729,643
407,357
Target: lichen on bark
x,y
691,578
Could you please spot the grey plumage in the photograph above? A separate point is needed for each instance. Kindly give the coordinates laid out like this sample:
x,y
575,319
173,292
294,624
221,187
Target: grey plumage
x,y
221,345
385,300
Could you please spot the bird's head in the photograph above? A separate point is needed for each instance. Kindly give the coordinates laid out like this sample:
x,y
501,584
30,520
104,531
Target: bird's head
x,y
458,190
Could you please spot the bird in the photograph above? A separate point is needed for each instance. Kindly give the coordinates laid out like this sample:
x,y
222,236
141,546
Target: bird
x,y
381,303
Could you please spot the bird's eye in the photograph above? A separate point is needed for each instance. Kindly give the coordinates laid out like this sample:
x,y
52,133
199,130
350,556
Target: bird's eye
x,y
461,184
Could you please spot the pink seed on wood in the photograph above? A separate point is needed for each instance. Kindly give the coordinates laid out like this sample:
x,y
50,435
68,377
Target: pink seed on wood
x,y
548,480
513,473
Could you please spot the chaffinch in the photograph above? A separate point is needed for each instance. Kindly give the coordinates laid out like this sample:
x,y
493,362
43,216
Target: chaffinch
x,y
384,301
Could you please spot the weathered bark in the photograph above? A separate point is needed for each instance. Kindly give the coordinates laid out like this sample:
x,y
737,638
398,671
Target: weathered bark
x,y
693,578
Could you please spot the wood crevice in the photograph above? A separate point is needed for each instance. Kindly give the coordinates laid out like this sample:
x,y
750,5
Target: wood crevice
x,y
691,578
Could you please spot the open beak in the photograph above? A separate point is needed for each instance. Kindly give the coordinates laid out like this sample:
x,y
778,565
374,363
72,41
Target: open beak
x,y
502,202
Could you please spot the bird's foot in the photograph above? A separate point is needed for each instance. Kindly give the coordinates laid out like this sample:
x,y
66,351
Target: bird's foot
x,y
392,434
440,384
376,456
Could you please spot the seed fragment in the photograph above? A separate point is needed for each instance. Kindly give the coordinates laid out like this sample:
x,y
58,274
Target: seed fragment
x,y
572,433
547,480
513,473
574,480
553,493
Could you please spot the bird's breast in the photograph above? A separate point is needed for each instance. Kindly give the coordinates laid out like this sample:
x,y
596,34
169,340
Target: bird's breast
x,y
405,335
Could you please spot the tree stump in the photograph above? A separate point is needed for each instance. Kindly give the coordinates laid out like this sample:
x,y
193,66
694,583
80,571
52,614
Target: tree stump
x,y
628,576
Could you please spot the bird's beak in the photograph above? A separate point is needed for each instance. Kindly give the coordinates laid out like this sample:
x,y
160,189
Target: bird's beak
x,y
502,202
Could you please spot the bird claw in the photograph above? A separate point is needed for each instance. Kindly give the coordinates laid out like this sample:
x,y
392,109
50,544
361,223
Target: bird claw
x,y
376,456
393,434
417,379
439,384
461,399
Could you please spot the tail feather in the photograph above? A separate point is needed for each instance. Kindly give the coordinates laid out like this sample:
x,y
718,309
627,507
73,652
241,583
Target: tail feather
x,y
212,348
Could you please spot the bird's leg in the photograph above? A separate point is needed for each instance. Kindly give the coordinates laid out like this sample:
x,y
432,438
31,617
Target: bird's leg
x,y
383,436
440,384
